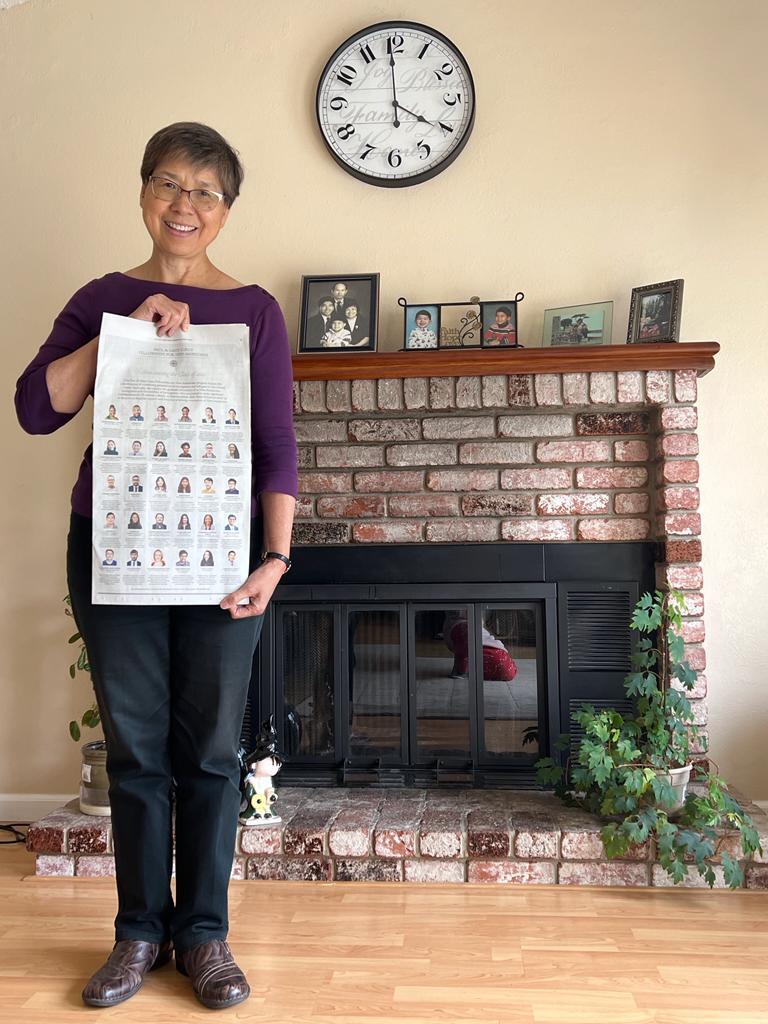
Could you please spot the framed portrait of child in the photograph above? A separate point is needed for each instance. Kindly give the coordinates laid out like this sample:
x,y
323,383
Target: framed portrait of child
x,y
500,323
339,313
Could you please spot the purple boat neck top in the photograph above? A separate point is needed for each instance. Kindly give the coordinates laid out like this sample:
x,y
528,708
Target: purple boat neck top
x,y
273,443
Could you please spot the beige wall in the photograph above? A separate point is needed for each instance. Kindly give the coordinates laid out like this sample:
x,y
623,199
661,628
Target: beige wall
x,y
617,143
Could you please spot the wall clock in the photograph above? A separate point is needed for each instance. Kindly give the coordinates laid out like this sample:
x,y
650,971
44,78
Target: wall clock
x,y
396,103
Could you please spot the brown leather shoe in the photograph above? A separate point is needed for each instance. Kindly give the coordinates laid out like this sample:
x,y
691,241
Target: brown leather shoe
x,y
124,972
217,980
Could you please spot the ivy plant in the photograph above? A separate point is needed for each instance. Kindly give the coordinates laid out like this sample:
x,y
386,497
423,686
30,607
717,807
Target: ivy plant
x,y
619,770
90,718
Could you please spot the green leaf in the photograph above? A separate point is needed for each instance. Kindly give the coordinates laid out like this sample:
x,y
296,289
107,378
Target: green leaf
x,y
734,876
74,638
91,718
676,646
548,772
74,731
72,671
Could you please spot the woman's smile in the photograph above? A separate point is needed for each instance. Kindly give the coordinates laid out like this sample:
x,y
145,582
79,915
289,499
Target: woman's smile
x,y
176,228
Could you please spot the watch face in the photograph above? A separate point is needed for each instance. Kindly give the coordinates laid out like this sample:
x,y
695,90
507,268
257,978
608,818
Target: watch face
x,y
396,103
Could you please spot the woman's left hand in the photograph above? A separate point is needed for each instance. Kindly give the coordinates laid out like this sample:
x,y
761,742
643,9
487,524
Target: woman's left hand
x,y
258,588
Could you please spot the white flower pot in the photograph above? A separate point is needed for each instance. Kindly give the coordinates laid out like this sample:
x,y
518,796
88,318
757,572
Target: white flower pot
x,y
678,778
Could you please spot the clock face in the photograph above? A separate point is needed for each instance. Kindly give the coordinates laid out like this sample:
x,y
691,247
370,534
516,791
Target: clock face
x,y
396,103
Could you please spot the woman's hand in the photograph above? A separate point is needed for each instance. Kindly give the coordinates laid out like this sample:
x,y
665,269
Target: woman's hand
x,y
169,315
258,588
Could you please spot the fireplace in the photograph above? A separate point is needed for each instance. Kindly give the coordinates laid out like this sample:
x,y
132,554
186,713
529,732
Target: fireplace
x,y
452,664
468,549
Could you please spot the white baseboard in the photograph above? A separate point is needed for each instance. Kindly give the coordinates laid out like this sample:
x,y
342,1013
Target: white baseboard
x,y
24,807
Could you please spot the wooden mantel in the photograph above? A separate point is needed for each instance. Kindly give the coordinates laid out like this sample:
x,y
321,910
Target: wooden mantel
x,y
342,365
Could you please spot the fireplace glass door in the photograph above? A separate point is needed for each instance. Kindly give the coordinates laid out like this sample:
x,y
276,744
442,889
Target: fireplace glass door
x,y
405,686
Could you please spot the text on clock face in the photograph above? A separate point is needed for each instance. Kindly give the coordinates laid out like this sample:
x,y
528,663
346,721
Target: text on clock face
x,y
395,103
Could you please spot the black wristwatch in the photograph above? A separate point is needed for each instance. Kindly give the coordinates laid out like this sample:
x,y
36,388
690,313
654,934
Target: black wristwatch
x,y
265,555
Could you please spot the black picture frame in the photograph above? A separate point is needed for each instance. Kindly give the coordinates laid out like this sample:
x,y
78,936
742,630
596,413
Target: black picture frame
x,y
417,335
492,336
654,313
314,324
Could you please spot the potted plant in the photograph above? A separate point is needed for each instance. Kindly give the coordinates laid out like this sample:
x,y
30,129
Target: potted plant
x,y
632,770
94,786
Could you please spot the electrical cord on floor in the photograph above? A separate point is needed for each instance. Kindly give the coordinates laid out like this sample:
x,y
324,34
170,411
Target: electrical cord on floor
x,y
18,837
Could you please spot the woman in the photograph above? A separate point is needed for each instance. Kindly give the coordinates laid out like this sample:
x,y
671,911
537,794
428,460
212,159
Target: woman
x,y
184,523
160,485
209,417
207,559
111,413
157,559
233,452
159,452
208,521
184,486
134,521
147,660
111,448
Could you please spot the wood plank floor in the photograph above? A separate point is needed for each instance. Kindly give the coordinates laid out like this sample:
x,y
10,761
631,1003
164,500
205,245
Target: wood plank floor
x,y
405,954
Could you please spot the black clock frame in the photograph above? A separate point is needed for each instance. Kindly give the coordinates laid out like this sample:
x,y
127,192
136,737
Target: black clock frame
x,y
415,179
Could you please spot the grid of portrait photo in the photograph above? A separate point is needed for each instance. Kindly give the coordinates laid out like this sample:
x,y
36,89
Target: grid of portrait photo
x,y
172,490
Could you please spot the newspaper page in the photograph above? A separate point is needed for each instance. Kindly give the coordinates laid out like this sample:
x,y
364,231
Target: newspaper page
x,y
171,464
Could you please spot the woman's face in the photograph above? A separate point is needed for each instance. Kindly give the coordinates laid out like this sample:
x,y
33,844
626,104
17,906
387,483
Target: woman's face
x,y
158,556
184,520
177,229
134,517
207,521
231,448
160,484
184,482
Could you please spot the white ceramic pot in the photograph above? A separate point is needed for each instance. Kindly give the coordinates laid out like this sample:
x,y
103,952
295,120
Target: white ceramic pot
x,y
678,778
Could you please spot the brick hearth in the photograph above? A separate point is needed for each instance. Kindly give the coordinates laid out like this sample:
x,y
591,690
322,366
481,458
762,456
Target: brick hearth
x,y
499,836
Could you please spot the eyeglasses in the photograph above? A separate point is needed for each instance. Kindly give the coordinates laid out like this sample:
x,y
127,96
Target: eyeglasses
x,y
201,198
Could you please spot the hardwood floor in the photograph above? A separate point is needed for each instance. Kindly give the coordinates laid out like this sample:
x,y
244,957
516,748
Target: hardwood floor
x,y
407,954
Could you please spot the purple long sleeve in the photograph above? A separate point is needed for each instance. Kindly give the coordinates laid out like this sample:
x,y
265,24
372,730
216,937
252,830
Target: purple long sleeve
x,y
272,438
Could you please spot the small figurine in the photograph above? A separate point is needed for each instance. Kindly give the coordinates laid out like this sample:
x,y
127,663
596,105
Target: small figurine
x,y
257,770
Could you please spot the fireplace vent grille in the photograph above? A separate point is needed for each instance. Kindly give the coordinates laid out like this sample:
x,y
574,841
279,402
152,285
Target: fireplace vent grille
x,y
598,631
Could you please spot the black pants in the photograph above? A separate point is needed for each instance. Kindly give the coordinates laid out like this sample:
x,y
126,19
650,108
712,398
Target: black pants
x,y
171,685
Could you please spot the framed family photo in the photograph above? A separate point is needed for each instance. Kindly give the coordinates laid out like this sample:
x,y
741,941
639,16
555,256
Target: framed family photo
x,y
654,313
587,324
339,312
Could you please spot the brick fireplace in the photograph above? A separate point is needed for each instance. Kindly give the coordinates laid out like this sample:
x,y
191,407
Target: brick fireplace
x,y
580,449
564,451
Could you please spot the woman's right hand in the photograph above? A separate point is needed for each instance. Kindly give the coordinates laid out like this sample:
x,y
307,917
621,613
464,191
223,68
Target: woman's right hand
x,y
170,316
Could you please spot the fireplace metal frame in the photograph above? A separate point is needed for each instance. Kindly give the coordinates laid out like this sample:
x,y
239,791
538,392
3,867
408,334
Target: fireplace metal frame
x,y
438,574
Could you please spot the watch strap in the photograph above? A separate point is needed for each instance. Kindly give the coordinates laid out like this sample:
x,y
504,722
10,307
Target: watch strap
x,y
266,555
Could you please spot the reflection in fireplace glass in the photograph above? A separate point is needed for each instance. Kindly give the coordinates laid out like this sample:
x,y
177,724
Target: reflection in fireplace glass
x,y
442,683
510,681
308,674
375,687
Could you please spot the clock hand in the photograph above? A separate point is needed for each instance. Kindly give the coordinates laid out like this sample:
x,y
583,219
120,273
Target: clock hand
x,y
395,104
417,116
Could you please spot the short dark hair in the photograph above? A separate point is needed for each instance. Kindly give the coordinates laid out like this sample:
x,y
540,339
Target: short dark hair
x,y
326,298
424,312
504,309
203,147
